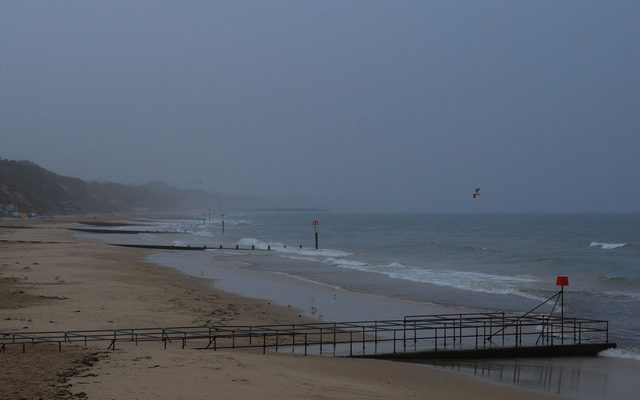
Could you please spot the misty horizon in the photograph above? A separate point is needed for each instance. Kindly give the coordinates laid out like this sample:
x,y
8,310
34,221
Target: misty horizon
x,y
363,106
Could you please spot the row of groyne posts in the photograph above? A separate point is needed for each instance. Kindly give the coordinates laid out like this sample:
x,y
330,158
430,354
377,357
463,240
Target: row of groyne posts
x,y
420,334
314,222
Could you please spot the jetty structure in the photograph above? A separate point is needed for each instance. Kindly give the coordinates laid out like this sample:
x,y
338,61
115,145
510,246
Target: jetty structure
x,y
412,337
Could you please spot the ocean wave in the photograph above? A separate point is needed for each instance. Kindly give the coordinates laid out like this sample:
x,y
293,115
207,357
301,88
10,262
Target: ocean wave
x,y
299,258
617,283
478,282
607,246
236,222
628,353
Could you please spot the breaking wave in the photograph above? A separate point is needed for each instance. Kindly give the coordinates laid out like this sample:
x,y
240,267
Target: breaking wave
x,y
628,353
607,246
471,281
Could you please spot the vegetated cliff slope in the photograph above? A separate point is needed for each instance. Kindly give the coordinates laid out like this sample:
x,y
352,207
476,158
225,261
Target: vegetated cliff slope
x,y
32,188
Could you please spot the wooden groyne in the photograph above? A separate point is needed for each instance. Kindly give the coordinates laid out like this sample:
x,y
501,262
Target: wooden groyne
x,y
118,231
160,247
108,223
188,247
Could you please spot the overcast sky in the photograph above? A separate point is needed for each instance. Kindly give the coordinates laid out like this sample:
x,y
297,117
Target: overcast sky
x,y
362,105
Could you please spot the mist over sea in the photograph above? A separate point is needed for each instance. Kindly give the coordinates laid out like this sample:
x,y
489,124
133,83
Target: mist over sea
x,y
496,262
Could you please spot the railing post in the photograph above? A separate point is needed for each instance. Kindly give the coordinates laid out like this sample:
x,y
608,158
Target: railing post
x,y
504,327
476,338
607,337
394,340
435,344
334,338
250,336
277,340
375,338
484,334
293,338
363,342
321,341
233,339
445,336
579,332
415,336
453,330
490,330
264,343
305,344
350,343
404,335
460,333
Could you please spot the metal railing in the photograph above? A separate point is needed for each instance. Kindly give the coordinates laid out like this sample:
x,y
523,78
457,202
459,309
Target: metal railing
x,y
417,333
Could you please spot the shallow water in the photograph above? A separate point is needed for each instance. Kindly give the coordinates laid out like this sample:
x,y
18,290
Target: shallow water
x,y
374,267
498,262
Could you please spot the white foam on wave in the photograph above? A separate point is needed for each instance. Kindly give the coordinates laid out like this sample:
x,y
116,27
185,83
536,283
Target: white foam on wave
x,y
236,222
629,353
465,280
608,246
299,258
344,262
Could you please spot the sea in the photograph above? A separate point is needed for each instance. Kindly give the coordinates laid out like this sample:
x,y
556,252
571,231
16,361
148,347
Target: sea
x,y
494,262
386,266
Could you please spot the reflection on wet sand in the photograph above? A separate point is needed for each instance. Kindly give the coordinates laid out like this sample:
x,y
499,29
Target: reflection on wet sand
x,y
577,377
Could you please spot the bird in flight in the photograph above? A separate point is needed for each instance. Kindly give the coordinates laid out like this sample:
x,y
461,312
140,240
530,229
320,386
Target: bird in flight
x,y
476,194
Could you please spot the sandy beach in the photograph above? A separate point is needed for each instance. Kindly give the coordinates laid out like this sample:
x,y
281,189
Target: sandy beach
x,y
73,284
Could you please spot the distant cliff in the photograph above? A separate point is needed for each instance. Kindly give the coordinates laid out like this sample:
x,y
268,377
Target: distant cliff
x,y
32,188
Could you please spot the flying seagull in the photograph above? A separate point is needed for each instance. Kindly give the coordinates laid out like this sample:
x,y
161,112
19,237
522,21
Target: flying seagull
x,y
476,194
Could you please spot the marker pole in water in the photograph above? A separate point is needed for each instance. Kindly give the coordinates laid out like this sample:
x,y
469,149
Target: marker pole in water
x,y
315,231
562,281
222,217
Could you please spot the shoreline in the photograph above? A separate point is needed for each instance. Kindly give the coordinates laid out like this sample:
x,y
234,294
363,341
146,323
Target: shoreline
x,y
82,285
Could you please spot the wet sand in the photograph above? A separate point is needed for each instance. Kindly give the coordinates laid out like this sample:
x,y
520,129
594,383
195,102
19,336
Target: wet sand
x,y
76,284
239,272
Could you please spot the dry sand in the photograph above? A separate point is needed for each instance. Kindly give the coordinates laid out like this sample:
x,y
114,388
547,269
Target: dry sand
x,y
72,285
